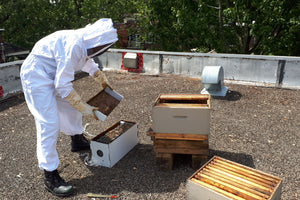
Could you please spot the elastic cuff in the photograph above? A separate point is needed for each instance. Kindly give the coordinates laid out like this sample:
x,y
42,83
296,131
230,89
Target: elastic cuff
x,y
93,71
66,92
72,133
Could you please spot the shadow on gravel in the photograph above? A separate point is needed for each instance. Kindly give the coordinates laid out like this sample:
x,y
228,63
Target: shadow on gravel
x,y
11,101
230,96
136,172
240,158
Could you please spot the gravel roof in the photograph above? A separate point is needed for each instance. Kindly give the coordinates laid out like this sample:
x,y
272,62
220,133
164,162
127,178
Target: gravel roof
x,y
255,126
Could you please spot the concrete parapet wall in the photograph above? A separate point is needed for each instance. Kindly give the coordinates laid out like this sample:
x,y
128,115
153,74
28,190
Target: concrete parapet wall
x,y
276,71
10,78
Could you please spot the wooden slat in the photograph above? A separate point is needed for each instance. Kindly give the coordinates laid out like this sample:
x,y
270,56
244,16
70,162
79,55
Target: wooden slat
x,y
249,177
247,171
184,96
182,105
269,176
181,151
246,180
179,136
212,187
236,183
150,133
236,179
181,144
225,193
203,99
228,187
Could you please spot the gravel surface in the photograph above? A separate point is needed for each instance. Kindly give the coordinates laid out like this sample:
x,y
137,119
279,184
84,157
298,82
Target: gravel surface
x,y
254,126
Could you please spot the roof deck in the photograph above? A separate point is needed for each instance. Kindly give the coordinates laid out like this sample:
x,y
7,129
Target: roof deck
x,y
257,127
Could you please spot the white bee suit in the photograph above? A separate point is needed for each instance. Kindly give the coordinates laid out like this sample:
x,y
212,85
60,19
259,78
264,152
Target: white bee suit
x,y
47,75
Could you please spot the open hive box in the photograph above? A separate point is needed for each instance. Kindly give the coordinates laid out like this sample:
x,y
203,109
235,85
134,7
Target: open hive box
x,y
182,113
113,144
221,179
106,101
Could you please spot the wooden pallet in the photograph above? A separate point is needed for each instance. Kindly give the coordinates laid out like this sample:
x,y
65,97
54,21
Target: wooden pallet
x,y
166,145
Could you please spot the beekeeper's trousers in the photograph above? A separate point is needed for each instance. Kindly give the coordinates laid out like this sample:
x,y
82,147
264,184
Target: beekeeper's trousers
x,y
51,113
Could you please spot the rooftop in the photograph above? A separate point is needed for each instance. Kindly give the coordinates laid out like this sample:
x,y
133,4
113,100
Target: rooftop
x,y
255,126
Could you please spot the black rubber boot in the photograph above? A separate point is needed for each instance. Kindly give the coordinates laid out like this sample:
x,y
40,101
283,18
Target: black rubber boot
x,y
56,185
79,143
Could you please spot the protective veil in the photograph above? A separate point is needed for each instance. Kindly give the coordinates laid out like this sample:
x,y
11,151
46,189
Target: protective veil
x,y
47,75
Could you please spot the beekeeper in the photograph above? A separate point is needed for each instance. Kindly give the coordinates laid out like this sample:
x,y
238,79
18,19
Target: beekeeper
x,y
47,74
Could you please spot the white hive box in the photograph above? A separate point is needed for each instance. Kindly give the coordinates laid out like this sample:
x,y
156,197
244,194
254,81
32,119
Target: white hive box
x,y
221,179
182,113
113,144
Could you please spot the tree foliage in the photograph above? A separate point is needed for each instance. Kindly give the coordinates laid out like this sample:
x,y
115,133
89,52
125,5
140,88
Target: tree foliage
x,y
269,27
25,22
245,26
